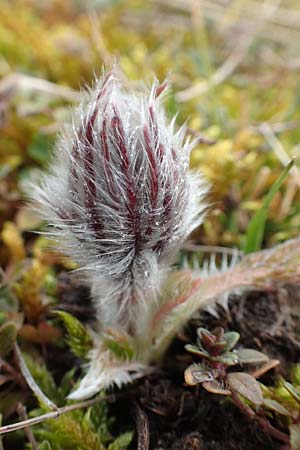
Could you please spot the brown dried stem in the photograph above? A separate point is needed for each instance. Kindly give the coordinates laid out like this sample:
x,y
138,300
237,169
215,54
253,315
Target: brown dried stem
x,y
142,427
22,414
262,422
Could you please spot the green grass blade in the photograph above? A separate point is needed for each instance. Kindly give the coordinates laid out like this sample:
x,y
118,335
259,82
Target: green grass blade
x,y
256,227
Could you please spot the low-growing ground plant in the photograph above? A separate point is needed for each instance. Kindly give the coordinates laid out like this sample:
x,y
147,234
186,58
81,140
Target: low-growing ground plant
x,y
215,374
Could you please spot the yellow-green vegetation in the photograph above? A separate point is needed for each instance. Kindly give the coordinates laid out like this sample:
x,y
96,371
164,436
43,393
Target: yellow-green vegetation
x,y
233,68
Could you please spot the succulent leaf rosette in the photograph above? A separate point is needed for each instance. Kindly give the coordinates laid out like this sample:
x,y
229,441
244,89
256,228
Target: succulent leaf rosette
x,y
120,200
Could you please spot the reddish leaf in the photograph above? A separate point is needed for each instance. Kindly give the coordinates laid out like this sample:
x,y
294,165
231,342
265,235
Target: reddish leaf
x,y
247,386
44,333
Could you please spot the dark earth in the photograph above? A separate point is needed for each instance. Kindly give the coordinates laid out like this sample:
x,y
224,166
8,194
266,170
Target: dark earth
x,y
174,417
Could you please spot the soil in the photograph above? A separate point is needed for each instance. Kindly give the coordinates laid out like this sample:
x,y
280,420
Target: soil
x,y
176,417
171,416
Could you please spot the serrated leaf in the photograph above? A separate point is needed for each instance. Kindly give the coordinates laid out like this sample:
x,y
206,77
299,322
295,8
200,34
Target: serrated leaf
x,y
8,336
231,338
121,442
276,407
250,356
295,436
247,386
78,338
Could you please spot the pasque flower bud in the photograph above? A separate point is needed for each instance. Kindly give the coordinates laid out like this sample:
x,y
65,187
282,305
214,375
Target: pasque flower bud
x,y
120,197
120,200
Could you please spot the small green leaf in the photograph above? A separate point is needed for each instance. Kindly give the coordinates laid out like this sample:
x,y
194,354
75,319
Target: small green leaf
x,y
247,386
249,356
78,338
256,227
228,358
8,336
121,442
231,338
197,351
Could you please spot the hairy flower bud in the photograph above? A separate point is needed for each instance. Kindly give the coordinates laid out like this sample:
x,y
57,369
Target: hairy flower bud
x,y
120,200
120,197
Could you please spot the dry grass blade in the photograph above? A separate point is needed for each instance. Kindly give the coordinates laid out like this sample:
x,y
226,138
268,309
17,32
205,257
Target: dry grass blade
x,y
142,426
53,414
15,81
234,59
30,380
275,144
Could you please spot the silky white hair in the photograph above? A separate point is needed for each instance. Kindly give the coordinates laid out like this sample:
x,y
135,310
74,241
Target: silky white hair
x,y
119,197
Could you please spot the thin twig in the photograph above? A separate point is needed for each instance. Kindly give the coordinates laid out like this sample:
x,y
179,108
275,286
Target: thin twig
x,y
279,127
22,414
269,365
15,81
54,414
31,381
261,421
